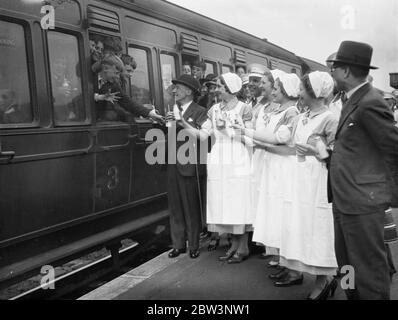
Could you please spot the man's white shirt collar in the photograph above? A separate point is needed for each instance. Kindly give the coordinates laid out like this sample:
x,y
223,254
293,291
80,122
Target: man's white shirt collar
x,y
184,107
352,91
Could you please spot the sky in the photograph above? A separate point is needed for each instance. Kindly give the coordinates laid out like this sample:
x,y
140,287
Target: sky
x,y
314,28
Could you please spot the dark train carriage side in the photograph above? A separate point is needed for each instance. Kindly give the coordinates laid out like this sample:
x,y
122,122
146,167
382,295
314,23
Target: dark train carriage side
x,y
69,182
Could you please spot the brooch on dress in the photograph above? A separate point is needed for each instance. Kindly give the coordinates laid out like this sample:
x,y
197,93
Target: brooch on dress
x,y
267,118
305,118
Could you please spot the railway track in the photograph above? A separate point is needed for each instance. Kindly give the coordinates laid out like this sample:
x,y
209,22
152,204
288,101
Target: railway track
x,y
107,265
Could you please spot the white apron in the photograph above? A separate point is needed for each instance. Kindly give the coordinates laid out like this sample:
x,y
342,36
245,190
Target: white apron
x,y
274,185
258,160
307,229
228,176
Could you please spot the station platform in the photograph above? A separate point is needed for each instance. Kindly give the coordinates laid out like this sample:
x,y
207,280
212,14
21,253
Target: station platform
x,y
206,278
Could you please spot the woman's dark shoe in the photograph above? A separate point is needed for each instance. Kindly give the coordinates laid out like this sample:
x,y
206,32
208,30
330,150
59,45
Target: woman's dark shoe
x,y
194,253
279,274
176,252
330,287
289,281
272,264
264,255
238,258
228,255
213,245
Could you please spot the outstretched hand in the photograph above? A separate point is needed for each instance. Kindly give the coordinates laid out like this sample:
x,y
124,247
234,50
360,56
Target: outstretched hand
x,y
157,117
111,97
237,126
304,149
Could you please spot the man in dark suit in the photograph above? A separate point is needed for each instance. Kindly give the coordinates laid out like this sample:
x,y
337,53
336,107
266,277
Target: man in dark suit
x,y
364,157
184,178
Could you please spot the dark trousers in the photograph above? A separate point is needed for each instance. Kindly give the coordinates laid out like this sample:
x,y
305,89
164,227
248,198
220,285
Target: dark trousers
x,y
390,260
359,242
185,216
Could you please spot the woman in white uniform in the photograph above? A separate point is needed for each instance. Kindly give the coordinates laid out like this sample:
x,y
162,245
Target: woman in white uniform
x,y
307,229
274,134
259,126
228,168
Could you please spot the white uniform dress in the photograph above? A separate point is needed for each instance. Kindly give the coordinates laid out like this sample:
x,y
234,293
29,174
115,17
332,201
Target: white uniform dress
x,y
275,184
307,242
229,175
259,155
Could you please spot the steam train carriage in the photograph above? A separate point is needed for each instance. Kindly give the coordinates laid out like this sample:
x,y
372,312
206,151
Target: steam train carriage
x,y
70,182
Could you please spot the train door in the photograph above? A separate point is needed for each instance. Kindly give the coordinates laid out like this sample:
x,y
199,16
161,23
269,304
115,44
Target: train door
x,y
46,174
144,36
113,130
147,180
112,134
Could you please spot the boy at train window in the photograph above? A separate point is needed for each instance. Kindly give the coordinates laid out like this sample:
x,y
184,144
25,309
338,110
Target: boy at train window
x,y
112,103
198,69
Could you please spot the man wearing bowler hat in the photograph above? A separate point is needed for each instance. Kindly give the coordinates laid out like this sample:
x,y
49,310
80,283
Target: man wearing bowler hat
x,y
184,193
364,156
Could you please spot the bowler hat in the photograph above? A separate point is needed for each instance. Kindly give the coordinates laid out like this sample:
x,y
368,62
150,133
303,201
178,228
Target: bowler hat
x,y
354,53
188,81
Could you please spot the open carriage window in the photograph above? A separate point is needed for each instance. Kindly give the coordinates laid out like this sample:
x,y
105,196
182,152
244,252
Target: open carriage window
x,y
15,99
168,63
211,68
226,68
192,65
240,70
66,82
140,81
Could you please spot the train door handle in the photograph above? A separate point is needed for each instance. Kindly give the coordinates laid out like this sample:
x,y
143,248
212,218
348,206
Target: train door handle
x,y
7,154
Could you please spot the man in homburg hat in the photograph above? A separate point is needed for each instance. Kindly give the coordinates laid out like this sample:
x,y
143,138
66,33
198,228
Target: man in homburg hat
x,y
364,157
184,178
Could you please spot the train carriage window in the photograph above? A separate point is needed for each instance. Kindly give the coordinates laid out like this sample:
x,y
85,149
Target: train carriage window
x,y
193,65
66,79
240,70
169,72
140,81
15,100
226,68
211,68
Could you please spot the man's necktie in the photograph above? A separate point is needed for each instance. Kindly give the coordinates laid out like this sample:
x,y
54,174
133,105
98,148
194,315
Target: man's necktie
x,y
343,97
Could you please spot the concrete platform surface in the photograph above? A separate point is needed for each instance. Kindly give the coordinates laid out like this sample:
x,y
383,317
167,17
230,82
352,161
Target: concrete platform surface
x,y
206,278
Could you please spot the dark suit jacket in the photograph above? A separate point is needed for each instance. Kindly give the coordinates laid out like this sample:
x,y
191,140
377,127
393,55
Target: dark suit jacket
x,y
125,102
365,154
196,116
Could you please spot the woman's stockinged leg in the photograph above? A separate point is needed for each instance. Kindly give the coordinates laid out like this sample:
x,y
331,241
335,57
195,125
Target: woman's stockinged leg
x,y
243,247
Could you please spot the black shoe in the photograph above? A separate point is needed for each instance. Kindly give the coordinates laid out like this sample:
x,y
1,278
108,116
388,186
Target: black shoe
x,y
264,256
228,255
273,264
204,234
329,288
289,281
194,253
176,252
213,245
278,275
